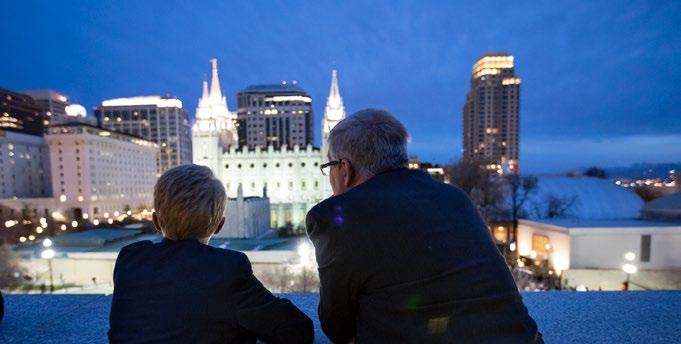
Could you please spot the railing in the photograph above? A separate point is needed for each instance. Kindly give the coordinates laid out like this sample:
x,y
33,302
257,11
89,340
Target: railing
x,y
563,317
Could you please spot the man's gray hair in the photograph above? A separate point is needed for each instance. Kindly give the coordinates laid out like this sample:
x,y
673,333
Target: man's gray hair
x,y
189,202
372,140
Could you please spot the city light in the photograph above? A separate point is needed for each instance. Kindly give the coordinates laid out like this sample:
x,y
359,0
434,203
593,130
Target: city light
x,y
512,247
630,256
39,230
22,239
47,254
63,227
629,268
47,242
10,223
95,222
31,237
85,216
305,254
74,224
110,221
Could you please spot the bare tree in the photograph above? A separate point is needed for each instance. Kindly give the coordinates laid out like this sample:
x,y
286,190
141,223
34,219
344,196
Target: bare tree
x,y
596,172
558,207
519,189
10,270
291,277
483,187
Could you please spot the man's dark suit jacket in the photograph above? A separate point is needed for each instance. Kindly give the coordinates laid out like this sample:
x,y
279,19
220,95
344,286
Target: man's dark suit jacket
x,y
406,259
187,292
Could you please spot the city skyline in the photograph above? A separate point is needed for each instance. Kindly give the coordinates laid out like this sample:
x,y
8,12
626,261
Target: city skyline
x,y
596,77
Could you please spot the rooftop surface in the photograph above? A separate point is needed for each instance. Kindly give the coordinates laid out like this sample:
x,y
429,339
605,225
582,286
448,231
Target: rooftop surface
x,y
614,223
114,239
563,317
592,198
274,88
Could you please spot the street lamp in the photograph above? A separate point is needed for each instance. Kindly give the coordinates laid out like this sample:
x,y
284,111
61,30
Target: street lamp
x,y
49,254
629,269
305,261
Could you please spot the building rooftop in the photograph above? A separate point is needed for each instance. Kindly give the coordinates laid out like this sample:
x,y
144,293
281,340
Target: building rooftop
x,y
166,101
594,198
664,207
63,128
112,240
606,223
562,317
274,88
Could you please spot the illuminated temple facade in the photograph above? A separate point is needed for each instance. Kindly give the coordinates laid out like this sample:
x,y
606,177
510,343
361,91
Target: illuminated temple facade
x,y
288,175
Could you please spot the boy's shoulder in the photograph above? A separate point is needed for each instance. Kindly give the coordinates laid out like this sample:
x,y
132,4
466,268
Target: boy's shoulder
x,y
233,256
137,245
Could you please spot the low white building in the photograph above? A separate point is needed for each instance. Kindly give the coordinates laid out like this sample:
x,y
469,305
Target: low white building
x,y
592,252
595,224
100,173
246,217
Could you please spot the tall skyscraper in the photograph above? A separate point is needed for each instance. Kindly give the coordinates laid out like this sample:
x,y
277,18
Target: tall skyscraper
x,y
20,113
52,105
275,115
491,114
162,120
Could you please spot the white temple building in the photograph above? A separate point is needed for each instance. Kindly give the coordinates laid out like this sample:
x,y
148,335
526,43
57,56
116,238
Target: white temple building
x,y
289,176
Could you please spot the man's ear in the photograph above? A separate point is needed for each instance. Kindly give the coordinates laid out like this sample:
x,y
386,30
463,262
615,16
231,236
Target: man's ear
x,y
222,222
157,224
348,173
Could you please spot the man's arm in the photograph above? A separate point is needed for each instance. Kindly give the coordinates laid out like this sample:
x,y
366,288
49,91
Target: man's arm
x,y
272,319
339,289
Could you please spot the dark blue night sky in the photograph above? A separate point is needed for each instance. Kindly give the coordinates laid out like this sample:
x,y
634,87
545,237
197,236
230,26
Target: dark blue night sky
x,y
601,80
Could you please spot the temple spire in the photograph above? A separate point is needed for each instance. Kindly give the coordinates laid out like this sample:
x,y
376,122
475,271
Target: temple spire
x,y
215,82
334,100
335,111
204,94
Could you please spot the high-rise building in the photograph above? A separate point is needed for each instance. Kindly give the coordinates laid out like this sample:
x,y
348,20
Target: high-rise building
x,y
100,173
24,166
20,113
162,120
275,115
491,114
24,157
52,105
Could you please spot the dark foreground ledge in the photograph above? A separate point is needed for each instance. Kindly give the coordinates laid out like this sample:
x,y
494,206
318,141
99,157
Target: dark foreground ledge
x,y
563,317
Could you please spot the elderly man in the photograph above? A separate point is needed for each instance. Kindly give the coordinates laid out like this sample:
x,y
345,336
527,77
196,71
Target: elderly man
x,y
183,291
403,258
